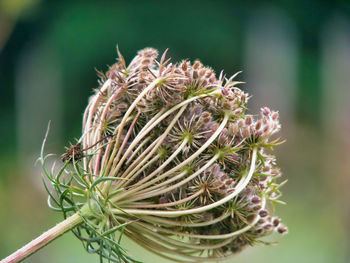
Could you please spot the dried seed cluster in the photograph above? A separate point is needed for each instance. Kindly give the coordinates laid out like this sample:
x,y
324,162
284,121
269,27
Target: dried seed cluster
x,y
172,156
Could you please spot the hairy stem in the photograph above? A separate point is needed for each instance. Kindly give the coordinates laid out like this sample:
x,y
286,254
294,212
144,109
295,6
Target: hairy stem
x,y
44,239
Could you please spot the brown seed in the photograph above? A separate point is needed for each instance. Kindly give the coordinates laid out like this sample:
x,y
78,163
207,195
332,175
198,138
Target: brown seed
x,y
276,222
256,200
257,208
184,66
261,221
245,133
258,125
282,230
195,74
196,64
263,213
248,120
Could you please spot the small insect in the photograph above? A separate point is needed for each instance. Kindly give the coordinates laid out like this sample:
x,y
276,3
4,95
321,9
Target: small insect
x,y
75,151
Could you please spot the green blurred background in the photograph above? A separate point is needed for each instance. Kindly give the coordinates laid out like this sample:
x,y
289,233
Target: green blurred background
x,y
295,57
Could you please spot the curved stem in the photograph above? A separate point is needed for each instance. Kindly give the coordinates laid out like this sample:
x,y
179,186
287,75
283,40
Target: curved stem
x,y
199,151
110,145
162,184
172,187
116,165
159,142
177,243
244,181
154,219
139,170
143,132
160,249
151,121
92,107
137,150
88,115
160,168
44,239
179,166
178,202
150,125
148,242
112,159
190,235
132,107
158,118
131,168
100,127
115,170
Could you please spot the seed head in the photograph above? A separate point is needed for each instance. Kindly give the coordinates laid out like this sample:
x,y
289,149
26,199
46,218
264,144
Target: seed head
x,y
167,151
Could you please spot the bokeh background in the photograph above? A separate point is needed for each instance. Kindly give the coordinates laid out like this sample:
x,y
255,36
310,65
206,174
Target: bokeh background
x,y
295,57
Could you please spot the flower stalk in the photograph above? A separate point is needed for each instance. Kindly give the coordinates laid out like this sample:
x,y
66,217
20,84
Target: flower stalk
x,y
44,239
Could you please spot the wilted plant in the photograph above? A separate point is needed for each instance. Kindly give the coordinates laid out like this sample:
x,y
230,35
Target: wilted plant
x,y
169,158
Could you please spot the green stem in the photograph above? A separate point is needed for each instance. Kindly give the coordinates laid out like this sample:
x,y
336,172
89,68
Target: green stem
x,y
44,239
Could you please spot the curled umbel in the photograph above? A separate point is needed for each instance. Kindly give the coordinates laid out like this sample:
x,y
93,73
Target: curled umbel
x,y
170,158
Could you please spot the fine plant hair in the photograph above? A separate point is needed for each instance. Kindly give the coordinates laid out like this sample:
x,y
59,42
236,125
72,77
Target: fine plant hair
x,y
170,158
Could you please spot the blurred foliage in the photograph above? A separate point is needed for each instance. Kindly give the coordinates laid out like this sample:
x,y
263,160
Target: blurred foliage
x,y
83,35
15,7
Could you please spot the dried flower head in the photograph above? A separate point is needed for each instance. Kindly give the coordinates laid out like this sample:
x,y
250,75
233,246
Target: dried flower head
x,y
169,158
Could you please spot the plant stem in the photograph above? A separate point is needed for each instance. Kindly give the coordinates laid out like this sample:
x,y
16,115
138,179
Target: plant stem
x,y
239,187
44,239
